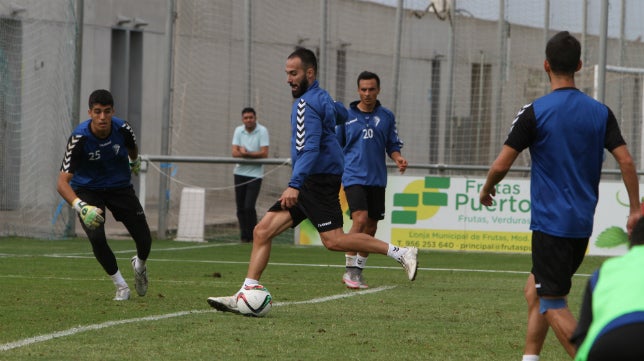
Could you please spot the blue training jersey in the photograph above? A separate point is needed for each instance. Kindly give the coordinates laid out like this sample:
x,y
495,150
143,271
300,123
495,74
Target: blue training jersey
x,y
314,147
366,140
99,163
566,132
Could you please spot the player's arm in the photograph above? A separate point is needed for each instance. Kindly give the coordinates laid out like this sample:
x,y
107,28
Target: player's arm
x,y
91,215
629,177
401,162
394,145
522,133
616,144
341,116
64,189
307,149
132,148
497,172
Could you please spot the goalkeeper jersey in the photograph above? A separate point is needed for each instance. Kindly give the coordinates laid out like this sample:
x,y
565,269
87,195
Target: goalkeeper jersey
x,y
366,139
99,163
314,147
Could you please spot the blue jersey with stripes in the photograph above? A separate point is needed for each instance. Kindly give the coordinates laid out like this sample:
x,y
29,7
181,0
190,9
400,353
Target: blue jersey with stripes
x,y
566,132
99,163
366,139
314,147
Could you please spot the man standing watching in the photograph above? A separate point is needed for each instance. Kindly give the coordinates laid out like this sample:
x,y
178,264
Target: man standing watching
x,y
250,141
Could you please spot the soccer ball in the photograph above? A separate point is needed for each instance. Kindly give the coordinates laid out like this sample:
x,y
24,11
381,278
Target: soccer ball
x,y
254,301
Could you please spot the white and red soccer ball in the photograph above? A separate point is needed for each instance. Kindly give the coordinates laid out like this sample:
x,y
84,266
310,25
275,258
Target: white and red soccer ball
x,y
254,300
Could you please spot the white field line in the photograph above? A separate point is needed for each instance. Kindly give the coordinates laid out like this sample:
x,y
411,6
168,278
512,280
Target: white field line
x,y
99,326
283,264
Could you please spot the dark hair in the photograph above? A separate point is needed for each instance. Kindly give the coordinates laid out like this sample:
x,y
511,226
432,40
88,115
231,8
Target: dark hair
x,y
637,234
307,57
248,110
367,75
102,97
563,52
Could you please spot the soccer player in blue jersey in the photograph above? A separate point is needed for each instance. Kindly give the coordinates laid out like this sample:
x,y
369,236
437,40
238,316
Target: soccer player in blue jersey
x,y
250,141
566,132
368,135
314,186
95,174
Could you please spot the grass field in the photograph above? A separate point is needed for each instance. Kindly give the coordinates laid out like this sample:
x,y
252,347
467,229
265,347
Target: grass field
x,y
56,304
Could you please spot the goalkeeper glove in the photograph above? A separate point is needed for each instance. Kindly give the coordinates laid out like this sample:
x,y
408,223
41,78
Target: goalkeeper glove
x,y
135,165
90,215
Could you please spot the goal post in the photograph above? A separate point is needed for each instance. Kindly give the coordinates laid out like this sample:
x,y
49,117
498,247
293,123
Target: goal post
x,y
625,96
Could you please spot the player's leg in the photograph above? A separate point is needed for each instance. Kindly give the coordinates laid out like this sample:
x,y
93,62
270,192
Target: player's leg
x,y
375,200
102,251
106,258
554,262
318,200
271,225
357,200
337,240
537,325
561,320
351,272
126,208
554,304
356,262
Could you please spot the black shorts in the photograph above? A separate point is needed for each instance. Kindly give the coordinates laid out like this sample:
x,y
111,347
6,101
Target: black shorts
x,y
554,261
367,198
319,201
623,343
122,202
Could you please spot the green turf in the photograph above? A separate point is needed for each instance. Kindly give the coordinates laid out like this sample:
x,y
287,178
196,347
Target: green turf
x,y
455,310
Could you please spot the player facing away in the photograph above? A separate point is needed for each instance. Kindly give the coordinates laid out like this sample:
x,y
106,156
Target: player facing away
x,y
95,174
314,186
368,135
566,132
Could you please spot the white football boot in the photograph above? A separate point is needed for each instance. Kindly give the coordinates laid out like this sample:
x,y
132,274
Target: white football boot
x,y
224,304
122,294
409,261
140,278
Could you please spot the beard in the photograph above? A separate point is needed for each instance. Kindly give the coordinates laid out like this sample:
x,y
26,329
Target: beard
x,y
302,87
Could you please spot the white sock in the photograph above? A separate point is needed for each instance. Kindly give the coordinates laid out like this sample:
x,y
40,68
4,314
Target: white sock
x,y
350,261
118,280
250,282
530,358
139,264
396,252
361,262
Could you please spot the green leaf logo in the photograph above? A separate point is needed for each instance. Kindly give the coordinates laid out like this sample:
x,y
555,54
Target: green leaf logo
x,y
611,237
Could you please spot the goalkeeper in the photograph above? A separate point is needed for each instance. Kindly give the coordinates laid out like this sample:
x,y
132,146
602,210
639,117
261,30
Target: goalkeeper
x,y
95,174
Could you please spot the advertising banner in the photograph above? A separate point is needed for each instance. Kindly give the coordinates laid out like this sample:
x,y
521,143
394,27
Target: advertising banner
x,y
444,213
